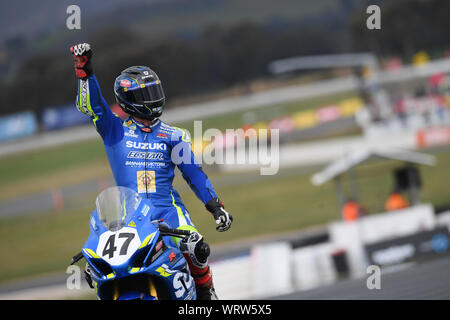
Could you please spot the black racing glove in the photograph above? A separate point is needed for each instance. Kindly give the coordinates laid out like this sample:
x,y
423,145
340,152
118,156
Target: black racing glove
x,y
223,218
82,54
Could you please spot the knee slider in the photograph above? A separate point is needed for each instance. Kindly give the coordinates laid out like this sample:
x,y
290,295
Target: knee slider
x,y
194,247
202,251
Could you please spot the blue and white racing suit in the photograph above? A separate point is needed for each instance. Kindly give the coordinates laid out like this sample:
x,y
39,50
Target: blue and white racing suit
x,y
141,158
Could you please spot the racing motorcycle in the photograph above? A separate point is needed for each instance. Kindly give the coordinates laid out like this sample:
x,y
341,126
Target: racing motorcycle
x,y
131,257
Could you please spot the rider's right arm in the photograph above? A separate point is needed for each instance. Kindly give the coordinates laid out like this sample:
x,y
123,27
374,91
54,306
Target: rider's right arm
x,y
91,102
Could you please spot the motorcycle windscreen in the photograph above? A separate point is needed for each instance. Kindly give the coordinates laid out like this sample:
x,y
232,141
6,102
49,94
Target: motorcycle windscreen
x,y
116,205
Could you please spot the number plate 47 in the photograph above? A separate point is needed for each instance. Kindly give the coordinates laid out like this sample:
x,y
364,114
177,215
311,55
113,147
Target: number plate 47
x,y
117,247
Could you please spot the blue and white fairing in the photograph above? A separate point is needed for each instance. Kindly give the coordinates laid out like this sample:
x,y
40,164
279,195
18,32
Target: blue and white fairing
x,y
128,256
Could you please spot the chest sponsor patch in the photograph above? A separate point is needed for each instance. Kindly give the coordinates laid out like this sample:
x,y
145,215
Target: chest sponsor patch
x,y
146,181
145,155
131,134
146,145
145,164
162,135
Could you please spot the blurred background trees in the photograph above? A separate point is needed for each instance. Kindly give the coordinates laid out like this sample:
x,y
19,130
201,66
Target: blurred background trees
x,y
212,55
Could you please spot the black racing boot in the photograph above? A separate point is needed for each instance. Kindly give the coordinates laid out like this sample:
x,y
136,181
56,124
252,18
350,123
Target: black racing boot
x,y
204,293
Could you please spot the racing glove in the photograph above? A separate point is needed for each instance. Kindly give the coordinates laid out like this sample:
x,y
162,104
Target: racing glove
x,y
82,54
222,217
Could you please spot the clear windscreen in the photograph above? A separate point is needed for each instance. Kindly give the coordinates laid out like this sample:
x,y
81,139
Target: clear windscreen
x,y
116,205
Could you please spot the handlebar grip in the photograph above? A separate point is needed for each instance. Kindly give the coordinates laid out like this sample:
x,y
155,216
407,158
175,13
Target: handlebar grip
x,y
173,232
184,232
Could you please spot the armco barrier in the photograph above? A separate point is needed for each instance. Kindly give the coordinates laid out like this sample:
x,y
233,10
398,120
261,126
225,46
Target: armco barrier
x,y
280,267
313,266
17,125
353,236
232,278
271,269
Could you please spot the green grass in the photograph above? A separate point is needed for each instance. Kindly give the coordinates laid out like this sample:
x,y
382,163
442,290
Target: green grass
x,y
43,162
41,243
50,168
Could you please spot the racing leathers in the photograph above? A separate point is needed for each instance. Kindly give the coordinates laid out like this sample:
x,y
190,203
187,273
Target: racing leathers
x,y
144,159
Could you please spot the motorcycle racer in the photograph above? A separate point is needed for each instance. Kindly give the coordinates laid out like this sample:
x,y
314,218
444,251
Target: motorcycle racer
x,y
143,152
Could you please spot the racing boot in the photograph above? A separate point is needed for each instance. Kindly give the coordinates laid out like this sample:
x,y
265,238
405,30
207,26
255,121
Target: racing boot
x,y
196,253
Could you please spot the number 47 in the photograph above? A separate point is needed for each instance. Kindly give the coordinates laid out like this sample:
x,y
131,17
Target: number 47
x,y
110,247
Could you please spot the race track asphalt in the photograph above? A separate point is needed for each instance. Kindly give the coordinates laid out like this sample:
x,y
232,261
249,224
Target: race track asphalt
x,y
426,281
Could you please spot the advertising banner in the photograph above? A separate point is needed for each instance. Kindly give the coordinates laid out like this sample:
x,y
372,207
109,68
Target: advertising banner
x,y
417,247
17,125
62,117
433,137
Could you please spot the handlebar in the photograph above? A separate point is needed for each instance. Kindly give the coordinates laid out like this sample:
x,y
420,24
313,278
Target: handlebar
x,y
165,230
76,258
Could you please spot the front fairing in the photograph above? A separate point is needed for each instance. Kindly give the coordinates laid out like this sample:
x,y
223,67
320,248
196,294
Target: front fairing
x,y
110,261
169,267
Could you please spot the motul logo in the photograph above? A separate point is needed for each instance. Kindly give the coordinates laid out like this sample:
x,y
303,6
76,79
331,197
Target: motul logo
x,y
125,83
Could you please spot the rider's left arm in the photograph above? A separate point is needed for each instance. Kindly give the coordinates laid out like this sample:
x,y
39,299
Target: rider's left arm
x,y
191,170
198,181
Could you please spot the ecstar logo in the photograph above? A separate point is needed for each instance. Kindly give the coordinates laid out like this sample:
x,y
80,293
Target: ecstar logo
x,y
145,155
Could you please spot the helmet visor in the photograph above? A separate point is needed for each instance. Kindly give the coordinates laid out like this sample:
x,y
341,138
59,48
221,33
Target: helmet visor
x,y
147,93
